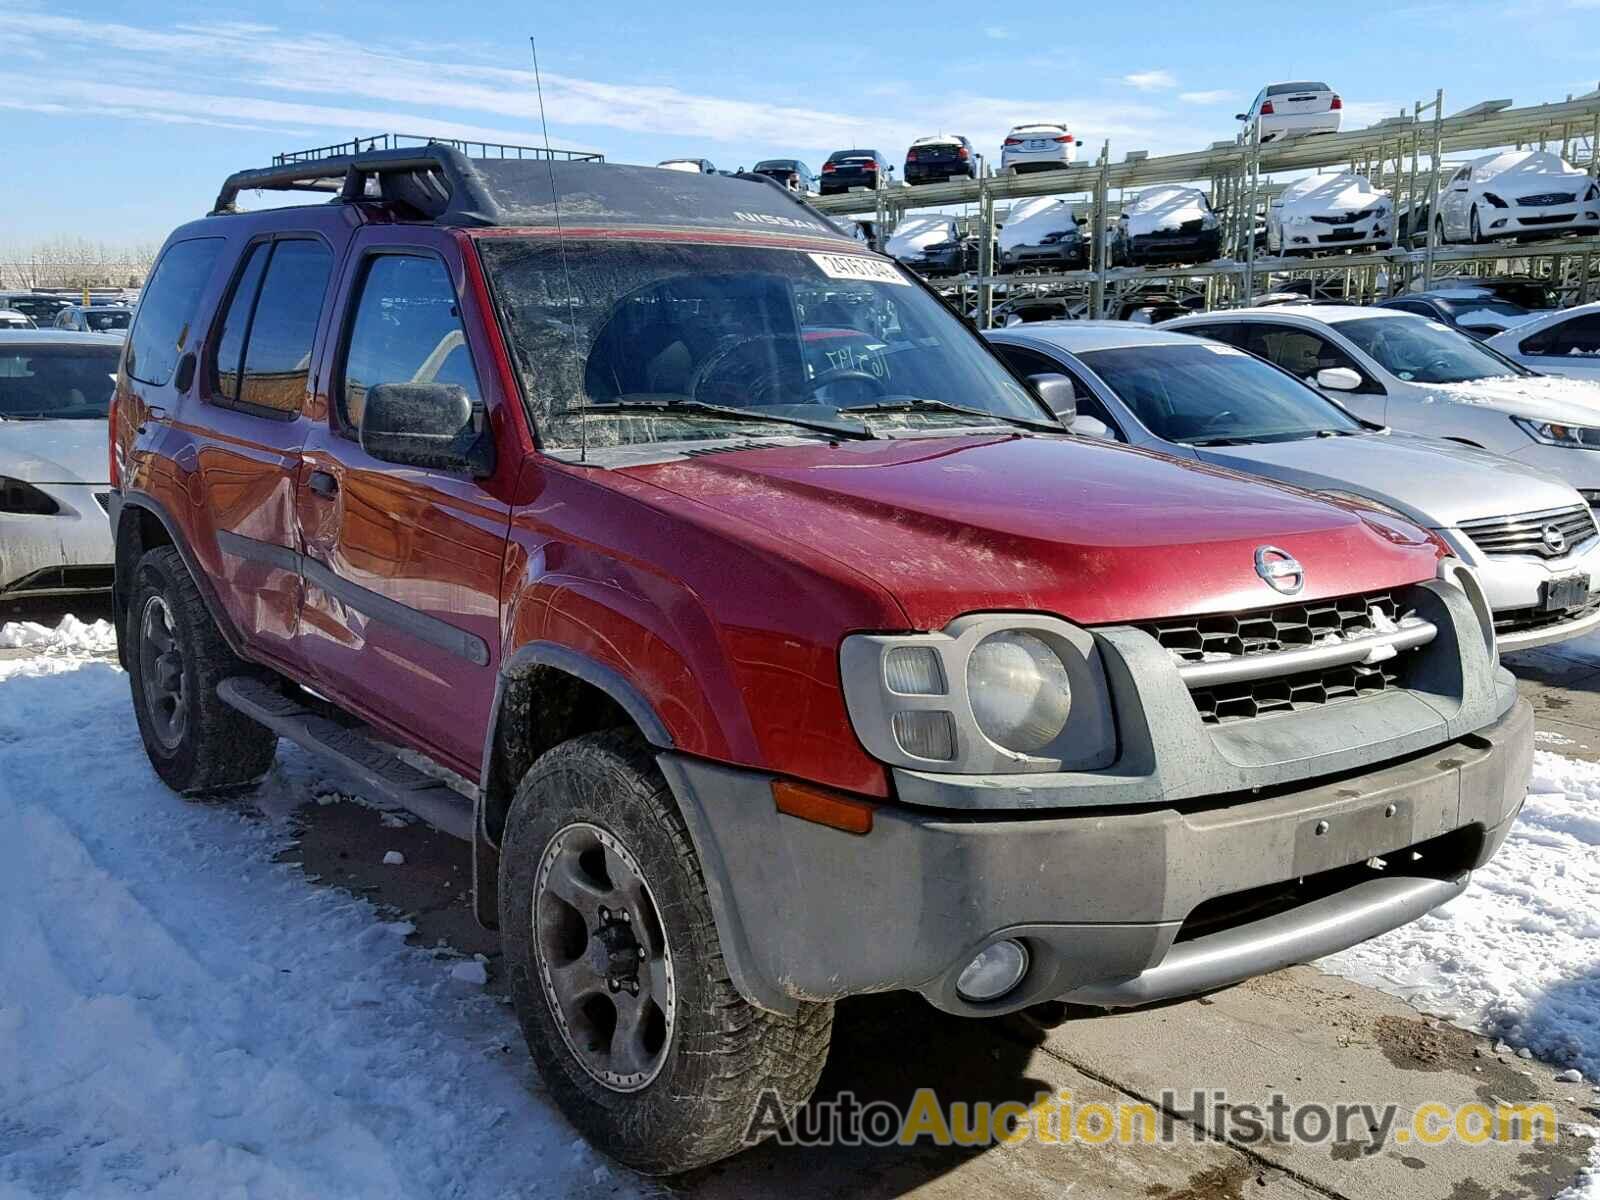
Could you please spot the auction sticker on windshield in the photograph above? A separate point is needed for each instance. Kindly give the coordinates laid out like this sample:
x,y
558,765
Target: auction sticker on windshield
x,y
1219,349
855,266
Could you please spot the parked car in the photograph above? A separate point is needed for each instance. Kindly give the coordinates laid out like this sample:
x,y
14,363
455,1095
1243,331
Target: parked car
x,y
694,166
1565,342
940,158
1419,376
846,169
790,645
1476,312
1528,291
54,391
1333,210
40,307
1041,232
1527,533
1517,193
11,319
929,243
94,318
1042,146
861,229
1286,110
1166,224
790,172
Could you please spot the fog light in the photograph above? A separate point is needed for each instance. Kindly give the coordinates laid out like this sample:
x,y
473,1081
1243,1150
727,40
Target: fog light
x,y
996,970
924,734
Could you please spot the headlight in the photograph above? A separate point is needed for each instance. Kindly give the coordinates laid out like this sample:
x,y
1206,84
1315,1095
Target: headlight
x,y
985,695
1553,433
1019,691
1208,222
1495,200
1368,502
19,496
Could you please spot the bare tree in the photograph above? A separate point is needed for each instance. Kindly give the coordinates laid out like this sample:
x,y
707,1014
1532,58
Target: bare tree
x,y
74,262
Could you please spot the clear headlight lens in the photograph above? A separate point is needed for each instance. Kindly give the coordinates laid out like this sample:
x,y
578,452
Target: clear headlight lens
x,y
1552,433
1018,690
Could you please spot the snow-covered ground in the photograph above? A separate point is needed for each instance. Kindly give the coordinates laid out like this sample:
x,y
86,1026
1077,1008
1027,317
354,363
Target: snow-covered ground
x,y
180,1016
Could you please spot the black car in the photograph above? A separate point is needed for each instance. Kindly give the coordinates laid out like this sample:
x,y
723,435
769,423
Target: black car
x,y
42,307
1475,311
938,159
846,169
790,172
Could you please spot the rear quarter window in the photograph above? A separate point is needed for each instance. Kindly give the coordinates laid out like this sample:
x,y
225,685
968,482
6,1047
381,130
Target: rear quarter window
x,y
164,326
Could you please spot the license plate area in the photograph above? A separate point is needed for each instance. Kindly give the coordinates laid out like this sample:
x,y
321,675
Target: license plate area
x,y
1558,595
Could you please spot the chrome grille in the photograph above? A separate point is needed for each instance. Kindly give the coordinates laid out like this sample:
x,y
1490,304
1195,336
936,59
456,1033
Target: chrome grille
x,y
1547,198
1291,693
1526,533
1271,630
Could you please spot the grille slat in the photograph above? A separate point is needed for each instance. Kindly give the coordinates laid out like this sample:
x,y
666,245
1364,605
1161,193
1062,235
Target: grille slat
x,y
1218,637
1525,533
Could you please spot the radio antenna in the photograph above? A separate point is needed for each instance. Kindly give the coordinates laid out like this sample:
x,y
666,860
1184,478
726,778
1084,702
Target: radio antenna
x,y
561,242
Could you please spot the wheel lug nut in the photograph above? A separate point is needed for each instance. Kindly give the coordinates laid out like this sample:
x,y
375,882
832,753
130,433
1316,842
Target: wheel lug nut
x,y
614,985
605,914
641,951
627,918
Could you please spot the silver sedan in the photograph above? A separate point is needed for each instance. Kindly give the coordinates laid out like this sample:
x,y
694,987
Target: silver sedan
x,y
1530,536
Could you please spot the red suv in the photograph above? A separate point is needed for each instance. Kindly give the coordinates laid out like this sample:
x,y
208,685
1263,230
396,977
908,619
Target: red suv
x,y
777,644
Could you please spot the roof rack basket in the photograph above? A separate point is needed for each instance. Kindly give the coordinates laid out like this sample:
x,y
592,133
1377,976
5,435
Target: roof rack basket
x,y
432,175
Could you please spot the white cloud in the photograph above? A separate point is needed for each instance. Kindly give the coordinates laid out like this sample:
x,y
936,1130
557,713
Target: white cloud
x,y
998,32
1214,97
1151,81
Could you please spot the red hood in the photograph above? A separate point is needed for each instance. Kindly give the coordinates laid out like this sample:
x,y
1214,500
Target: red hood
x,y
1093,532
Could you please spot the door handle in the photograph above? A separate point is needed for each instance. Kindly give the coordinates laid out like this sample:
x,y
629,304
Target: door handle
x,y
323,484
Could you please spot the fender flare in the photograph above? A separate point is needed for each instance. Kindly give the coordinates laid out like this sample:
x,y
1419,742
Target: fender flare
x,y
606,679
122,569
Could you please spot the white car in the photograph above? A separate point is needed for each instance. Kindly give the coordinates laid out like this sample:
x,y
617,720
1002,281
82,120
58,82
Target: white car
x,y
695,166
1565,342
929,243
1042,146
1041,232
1335,210
1418,376
10,318
1517,193
1295,109
55,388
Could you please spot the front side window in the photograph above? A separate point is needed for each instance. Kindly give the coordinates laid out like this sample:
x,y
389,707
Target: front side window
x,y
1211,395
167,307
407,329
1031,362
836,338
1424,351
39,383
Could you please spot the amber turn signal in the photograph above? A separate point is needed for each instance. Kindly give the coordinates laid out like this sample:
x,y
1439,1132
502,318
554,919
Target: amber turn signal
x,y
822,807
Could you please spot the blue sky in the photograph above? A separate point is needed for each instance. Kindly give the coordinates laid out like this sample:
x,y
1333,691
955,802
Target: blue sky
x,y
120,120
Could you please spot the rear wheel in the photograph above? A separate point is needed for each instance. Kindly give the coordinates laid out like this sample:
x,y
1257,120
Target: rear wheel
x,y
617,971
1477,231
1438,231
176,659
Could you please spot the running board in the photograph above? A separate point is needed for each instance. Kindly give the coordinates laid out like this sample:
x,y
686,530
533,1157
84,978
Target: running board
x,y
380,771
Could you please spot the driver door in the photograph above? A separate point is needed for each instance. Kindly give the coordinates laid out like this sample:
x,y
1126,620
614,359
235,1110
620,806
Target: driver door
x,y
403,564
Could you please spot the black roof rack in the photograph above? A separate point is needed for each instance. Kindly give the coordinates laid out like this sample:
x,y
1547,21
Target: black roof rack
x,y
438,181
410,141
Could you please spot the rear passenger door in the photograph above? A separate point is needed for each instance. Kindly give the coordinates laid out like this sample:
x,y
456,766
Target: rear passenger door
x,y
403,564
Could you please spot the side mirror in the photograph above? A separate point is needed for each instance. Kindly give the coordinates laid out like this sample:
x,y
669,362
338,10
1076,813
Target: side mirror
x,y
430,425
1058,395
1241,116
1091,427
1338,379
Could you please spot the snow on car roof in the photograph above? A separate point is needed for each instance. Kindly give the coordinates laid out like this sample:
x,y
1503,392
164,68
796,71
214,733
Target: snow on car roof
x,y
1326,313
938,139
1523,162
1152,197
1327,182
1039,125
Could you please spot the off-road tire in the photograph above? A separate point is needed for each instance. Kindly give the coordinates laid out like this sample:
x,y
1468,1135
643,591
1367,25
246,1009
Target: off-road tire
x,y
723,1053
221,750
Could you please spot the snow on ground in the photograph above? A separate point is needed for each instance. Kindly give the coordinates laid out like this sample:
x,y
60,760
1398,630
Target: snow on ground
x,y
1517,956
70,636
181,1016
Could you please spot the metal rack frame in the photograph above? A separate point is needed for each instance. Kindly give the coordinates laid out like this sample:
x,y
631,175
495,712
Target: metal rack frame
x,y
1404,155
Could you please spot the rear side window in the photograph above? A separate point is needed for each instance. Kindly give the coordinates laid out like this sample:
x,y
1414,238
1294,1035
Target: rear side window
x,y
166,312
406,329
264,352
1580,336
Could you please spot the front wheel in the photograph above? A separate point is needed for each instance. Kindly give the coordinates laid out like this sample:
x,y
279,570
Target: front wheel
x,y
617,971
176,659
1477,230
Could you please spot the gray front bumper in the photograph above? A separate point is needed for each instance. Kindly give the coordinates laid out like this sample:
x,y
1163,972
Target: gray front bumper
x,y
1100,896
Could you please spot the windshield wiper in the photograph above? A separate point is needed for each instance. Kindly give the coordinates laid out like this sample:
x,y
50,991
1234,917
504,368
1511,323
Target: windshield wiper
x,y
1222,441
920,404
696,408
